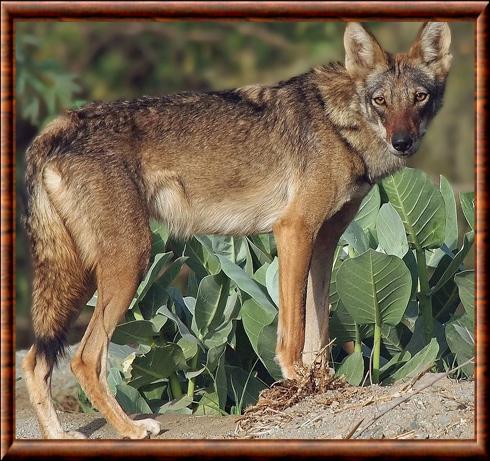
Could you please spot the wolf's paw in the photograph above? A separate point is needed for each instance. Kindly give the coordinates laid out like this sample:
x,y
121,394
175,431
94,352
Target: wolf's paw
x,y
151,426
290,372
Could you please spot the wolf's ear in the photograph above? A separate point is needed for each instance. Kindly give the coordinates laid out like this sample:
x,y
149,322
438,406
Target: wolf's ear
x,y
432,46
362,51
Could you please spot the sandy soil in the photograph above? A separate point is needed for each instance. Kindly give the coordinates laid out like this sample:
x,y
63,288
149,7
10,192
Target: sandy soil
x,y
445,409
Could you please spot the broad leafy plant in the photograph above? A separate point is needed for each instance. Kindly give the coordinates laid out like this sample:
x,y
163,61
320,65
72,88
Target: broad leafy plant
x,y
200,333
399,287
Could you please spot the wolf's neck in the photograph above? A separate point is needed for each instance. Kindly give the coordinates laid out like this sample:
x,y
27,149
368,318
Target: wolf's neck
x,y
343,109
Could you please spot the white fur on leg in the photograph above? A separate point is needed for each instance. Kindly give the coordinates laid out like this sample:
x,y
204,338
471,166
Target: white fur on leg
x,y
35,371
315,326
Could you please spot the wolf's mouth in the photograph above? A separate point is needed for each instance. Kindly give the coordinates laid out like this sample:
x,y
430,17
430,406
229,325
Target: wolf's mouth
x,y
404,154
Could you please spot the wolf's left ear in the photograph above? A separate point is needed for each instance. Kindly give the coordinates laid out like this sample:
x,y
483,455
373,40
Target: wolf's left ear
x,y
432,46
362,51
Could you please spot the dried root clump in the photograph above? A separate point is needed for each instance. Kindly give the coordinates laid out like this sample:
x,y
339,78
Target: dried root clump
x,y
312,380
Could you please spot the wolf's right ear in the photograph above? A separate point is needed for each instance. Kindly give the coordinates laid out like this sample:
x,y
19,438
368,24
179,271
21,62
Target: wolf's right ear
x,y
362,51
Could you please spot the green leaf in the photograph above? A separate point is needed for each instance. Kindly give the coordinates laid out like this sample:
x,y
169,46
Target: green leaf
x,y
466,285
454,265
113,379
181,326
451,229
467,200
394,338
154,298
261,331
261,274
356,238
398,359
368,210
211,301
193,374
460,338
333,294
272,280
197,260
417,364
218,337
131,400
420,206
411,262
266,347
152,274
214,357
341,325
249,286
223,245
445,301
259,250
352,367
242,251
220,383
209,404
177,406
188,346
171,272
243,387
135,331
211,262
374,284
391,232
460,331
418,340
157,364
153,393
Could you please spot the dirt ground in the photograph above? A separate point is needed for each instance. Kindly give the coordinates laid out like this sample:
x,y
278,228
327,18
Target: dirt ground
x,y
443,410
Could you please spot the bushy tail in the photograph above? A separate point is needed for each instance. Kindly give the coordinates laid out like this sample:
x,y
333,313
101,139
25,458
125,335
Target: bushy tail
x,y
58,275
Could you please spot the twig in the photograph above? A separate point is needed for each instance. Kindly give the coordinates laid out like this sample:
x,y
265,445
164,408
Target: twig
x,y
400,400
404,435
354,429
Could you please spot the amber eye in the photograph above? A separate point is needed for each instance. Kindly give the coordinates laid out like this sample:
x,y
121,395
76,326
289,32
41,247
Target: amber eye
x,y
379,100
420,96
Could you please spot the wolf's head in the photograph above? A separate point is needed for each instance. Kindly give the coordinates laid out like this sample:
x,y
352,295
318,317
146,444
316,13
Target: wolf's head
x,y
401,93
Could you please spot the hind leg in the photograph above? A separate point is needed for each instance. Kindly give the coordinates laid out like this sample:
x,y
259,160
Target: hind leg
x,y
116,283
38,368
110,222
37,371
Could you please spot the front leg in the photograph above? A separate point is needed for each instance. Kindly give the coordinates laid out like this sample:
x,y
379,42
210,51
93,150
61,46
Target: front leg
x,y
317,305
294,239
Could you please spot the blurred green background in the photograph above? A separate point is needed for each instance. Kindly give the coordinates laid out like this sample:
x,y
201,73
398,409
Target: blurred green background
x,y
62,65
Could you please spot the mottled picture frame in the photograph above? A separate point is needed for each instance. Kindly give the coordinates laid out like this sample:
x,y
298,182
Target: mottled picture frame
x,y
476,12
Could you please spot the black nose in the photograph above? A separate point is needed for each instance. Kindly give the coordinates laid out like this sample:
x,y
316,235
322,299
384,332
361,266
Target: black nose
x,y
401,142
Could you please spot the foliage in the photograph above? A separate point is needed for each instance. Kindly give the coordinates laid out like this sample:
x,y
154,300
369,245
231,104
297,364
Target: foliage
x,y
404,314
208,347
43,87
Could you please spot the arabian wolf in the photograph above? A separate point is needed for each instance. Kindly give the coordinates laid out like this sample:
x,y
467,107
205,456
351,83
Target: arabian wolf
x,y
300,157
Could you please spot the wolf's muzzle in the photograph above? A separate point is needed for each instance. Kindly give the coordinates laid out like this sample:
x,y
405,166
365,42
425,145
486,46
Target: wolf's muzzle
x,y
401,142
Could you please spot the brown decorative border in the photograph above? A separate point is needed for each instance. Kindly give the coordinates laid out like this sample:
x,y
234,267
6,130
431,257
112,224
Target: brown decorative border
x,y
250,11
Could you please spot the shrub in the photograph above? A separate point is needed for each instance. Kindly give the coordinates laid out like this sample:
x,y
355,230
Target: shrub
x,y
399,290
